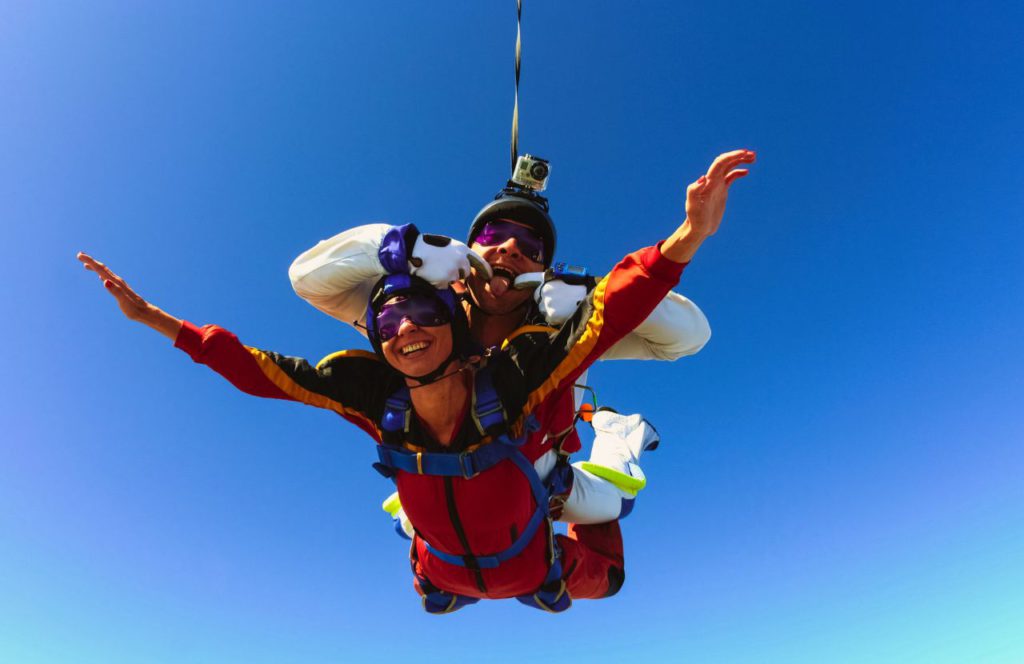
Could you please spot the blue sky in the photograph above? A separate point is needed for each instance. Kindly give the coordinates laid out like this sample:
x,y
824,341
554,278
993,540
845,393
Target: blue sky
x,y
840,478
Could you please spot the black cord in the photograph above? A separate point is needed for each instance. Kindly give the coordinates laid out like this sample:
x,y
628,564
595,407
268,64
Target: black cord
x,y
515,107
439,378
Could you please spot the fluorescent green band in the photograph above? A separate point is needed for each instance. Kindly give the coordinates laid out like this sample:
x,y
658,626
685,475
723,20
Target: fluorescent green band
x,y
627,483
392,504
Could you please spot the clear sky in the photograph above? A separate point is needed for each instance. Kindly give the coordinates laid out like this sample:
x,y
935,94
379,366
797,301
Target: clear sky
x,y
841,473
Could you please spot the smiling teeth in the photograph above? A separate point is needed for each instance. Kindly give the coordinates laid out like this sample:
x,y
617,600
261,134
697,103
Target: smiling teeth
x,y
411,348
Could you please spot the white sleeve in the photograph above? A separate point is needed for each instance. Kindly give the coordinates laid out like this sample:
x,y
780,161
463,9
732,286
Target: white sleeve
x,y
676,328
337,275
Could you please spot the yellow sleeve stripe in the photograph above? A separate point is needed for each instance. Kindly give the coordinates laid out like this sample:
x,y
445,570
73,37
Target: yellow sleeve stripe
x,y
365,354
526,329
579,352
285,383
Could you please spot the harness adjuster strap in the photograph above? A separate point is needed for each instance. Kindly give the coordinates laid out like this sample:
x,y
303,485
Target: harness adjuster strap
x,y
483,410
495,559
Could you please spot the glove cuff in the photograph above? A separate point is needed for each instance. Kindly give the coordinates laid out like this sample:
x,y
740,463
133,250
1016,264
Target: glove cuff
x,y
396,248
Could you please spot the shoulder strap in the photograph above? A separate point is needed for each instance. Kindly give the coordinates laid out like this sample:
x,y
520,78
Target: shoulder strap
x,y
394,423
487,410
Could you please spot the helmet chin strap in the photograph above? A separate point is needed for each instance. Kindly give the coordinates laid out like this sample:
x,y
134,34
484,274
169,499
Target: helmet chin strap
x,y
438,373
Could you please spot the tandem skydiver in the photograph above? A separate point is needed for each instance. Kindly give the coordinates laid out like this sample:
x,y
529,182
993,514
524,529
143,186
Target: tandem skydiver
x,y
466,473
516,236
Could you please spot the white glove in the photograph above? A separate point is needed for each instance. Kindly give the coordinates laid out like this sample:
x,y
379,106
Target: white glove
x,y
558,300
443,261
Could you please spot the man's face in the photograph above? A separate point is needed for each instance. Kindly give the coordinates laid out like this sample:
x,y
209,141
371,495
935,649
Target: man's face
x,y
510,254
413,348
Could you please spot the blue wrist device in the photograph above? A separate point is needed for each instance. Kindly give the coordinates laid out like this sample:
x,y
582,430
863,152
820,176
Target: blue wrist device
x,y
570,274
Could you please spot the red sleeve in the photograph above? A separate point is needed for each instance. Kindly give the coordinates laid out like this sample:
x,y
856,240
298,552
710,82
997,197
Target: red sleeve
x,y
619,302
354,384
634,288
221,350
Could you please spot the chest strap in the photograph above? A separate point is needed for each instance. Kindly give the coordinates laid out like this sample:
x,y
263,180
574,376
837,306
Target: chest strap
x,y
488,416
486,410
446,464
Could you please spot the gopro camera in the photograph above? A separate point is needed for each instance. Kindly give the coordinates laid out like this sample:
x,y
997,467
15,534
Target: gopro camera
x,y
531,172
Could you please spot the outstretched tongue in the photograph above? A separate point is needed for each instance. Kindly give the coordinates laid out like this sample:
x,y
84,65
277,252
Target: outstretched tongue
x,y
499,285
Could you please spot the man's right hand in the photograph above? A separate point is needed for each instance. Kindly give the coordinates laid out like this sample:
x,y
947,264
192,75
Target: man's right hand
x,y
558,300
442,260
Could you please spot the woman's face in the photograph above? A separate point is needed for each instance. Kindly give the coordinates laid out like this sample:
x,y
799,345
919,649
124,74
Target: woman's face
x,y
419,340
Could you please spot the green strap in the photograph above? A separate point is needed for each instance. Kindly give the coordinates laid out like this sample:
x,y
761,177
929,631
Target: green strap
x,y
627,483
392,504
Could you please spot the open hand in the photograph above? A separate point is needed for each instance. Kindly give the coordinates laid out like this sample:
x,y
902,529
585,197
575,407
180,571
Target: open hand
x,y
131,303
705,205
705,198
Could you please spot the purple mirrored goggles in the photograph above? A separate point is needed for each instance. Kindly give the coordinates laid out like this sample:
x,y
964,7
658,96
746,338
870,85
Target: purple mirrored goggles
x,y
421,310
498,232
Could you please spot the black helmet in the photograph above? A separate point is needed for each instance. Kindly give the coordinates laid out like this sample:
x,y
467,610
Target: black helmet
x,y
392,285
524,207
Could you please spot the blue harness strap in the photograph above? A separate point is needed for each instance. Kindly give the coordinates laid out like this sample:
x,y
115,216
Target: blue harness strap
x,y
540,496
552,596
490,419
397,410
488,411
438,601
464,464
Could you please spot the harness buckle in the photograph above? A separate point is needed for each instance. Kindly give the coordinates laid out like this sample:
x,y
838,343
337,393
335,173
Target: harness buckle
x,y
470,473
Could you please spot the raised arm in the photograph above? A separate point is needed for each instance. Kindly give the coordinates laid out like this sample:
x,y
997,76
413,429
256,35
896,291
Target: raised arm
x,y
132,305
705,205
336,275
676,328
631,292
350,383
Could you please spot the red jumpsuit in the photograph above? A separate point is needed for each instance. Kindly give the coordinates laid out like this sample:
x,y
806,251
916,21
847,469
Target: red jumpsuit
x,y
474,517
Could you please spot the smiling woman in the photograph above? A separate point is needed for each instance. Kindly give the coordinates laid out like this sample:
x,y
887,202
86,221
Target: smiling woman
x,y
415,334
417,329
460,446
